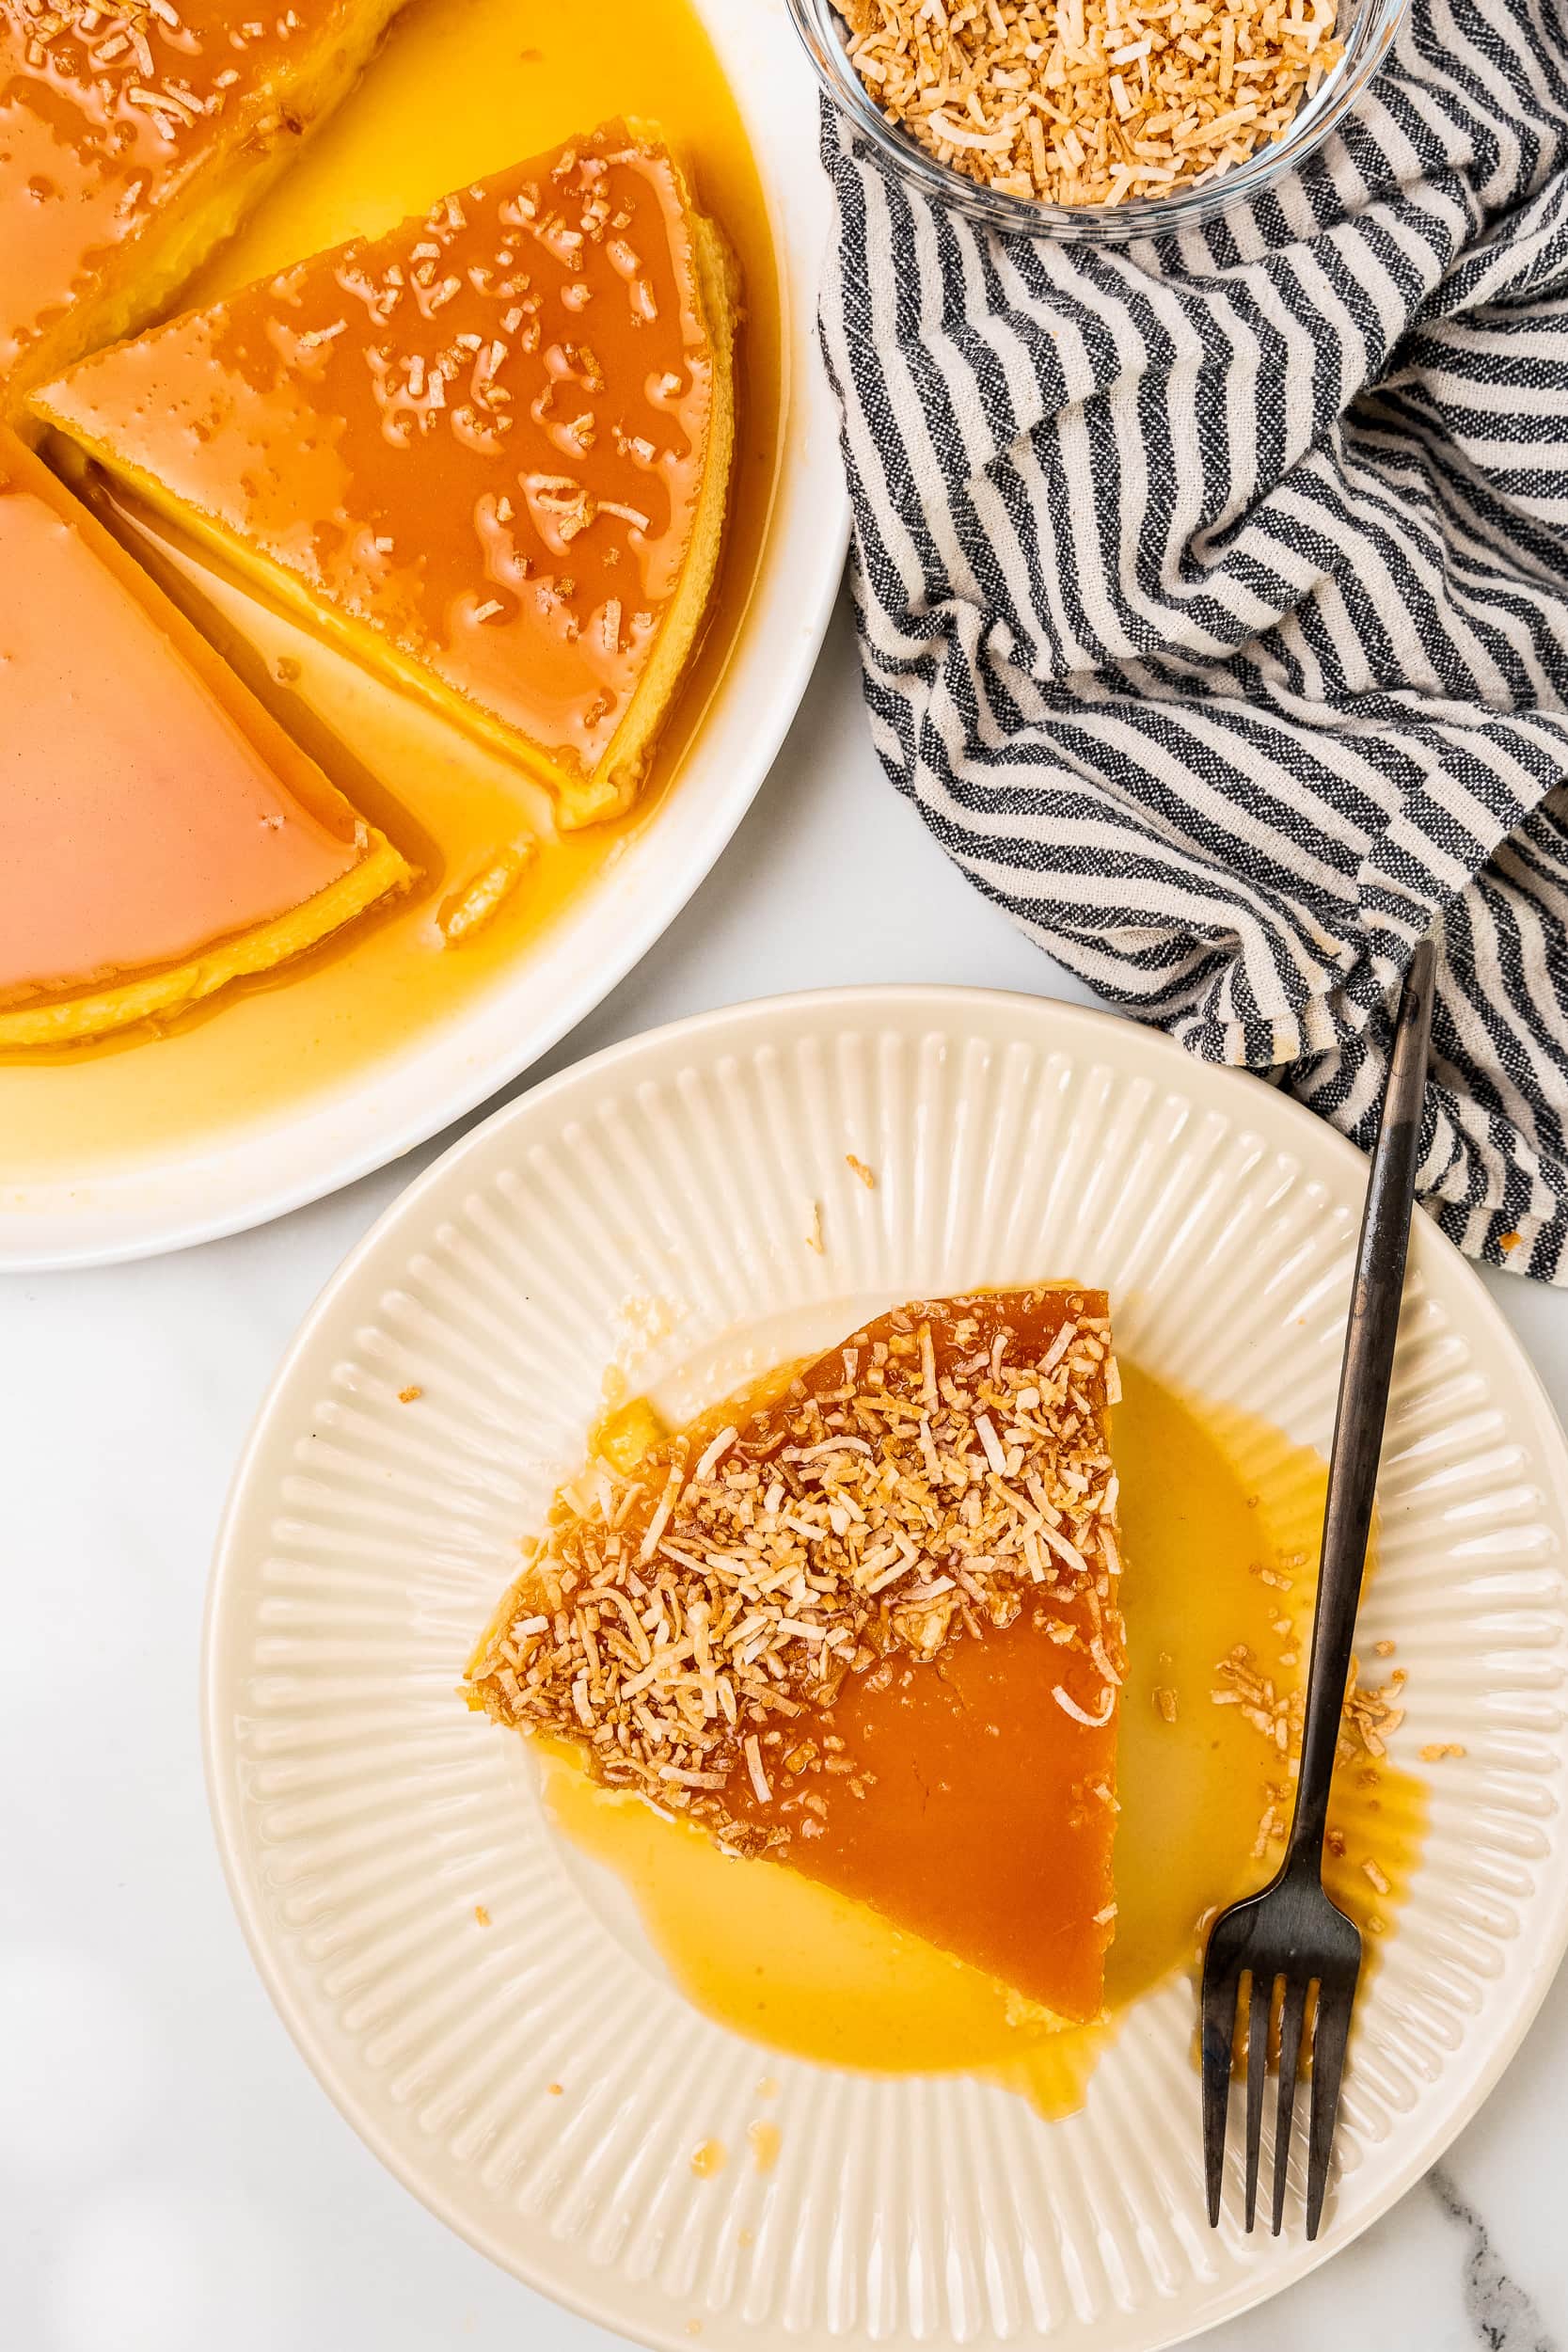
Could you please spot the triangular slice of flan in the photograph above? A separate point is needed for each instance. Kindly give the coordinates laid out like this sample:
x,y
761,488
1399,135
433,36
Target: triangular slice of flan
x,y
868,1627
488,451
134,135
162,835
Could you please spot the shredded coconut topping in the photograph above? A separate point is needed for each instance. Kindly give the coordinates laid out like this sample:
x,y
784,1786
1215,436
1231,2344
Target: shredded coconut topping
x,y
923,1481
1091,102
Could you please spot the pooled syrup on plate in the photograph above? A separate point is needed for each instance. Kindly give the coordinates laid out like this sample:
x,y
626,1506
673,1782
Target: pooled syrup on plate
x,y
461,87
1209,1498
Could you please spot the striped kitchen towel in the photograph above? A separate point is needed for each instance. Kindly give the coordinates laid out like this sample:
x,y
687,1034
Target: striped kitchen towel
x,y
1213,595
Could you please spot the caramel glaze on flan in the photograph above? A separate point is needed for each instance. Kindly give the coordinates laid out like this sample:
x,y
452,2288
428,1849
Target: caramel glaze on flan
x,y
489,452
868,1627
162,835
134,135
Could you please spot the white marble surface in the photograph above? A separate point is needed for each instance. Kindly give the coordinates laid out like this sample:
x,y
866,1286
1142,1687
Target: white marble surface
x,y
171,2178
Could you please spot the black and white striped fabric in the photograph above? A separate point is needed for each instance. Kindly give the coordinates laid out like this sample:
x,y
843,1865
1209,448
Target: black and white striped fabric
x,y
1213,595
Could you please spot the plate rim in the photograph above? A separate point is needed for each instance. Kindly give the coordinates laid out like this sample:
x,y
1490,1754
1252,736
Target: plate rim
x,y
1249,2292
797,231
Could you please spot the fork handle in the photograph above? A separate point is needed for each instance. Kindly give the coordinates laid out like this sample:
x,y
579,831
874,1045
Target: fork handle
x,y
1364,1378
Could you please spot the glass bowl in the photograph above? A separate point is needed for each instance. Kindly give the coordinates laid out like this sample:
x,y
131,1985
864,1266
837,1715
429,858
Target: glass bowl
x,y
1367,28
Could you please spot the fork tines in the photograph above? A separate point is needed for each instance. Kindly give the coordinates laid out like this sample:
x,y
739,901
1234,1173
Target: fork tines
x,y
1320,2024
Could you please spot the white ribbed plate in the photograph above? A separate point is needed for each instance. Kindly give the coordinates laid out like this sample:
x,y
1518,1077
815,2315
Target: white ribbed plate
x,y
126,1204
652,1207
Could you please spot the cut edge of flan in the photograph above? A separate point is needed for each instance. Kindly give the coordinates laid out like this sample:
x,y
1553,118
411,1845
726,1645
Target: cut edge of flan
x,y
80,1011
83,1018
149,270
613,786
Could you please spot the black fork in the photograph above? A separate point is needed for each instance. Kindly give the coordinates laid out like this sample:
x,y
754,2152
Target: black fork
x,y
1292,1932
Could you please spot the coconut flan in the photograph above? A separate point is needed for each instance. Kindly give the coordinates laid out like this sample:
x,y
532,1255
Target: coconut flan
x,y
134,135
162,835
488,451
867,1627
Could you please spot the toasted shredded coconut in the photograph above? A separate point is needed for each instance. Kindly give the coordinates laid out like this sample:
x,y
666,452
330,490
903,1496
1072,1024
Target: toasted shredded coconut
x,y
1070,1706
1091,102
715,1454
754,1765
680,1612
1369,1718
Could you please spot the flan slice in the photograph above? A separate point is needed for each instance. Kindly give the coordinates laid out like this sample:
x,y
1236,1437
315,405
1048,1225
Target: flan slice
x,y
162,835
867,1627
488,451
134,135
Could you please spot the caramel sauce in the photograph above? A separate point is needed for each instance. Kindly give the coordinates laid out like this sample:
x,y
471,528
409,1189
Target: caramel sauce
x,y
460,88
493,441
1208,1497
108,115
148,807
981,1827
977,1783
939,1746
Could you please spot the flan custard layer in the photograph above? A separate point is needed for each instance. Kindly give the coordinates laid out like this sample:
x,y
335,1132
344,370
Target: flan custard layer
x,y
867,1628
162,835
489,450
132,138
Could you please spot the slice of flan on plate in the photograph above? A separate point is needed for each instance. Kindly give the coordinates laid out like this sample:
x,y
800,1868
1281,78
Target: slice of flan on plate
x,y
163,836
489,452
866,1627
134,135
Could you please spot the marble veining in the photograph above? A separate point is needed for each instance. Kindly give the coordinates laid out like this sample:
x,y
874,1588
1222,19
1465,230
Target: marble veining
x,y
1499,2311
